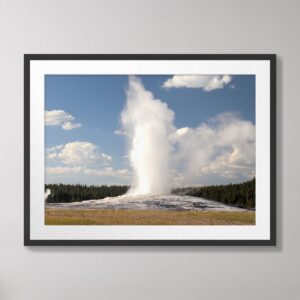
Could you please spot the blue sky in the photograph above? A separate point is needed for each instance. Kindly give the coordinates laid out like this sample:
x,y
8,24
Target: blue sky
x,y
92,104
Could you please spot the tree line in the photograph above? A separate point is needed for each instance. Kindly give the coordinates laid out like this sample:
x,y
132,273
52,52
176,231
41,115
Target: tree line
x,y
240,195
78,192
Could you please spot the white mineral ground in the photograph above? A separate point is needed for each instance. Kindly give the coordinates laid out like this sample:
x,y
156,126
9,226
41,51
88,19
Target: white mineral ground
x,y
148,202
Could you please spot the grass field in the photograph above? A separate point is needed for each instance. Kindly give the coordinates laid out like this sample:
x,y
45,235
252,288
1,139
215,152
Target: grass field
x,y
147,217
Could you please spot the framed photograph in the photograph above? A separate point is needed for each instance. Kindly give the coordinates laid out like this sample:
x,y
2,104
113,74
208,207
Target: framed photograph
x,y
150,149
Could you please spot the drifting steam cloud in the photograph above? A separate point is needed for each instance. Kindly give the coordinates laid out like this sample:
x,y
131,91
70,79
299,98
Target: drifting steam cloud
x,y
147,122
222,149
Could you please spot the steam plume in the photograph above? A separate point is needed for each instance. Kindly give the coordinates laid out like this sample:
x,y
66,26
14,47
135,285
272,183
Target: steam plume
x,y
147,122
47,194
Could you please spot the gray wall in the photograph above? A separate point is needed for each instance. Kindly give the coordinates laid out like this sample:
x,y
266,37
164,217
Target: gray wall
x,y
143,26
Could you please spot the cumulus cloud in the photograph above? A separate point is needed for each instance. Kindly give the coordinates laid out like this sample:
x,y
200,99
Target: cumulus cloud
x,y
78,153
205,82
106,172
60,118
222,149
70,126
86,175
82,162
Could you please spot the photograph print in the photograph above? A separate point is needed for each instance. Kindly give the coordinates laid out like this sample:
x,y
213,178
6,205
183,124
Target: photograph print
x,y
169,151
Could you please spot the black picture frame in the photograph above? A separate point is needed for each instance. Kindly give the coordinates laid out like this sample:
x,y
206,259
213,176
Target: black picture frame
x,y
28,241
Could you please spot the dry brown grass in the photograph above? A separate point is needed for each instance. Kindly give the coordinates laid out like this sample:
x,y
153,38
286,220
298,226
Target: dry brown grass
x,y
146,217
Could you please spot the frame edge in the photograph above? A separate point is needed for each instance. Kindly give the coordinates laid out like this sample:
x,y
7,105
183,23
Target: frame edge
x,y
29,242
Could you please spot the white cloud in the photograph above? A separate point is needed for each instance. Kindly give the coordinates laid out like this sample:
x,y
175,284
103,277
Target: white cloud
x,y
222,149
78,153
82,162
60,118
205,82
119,132
70,126
84,175
182,131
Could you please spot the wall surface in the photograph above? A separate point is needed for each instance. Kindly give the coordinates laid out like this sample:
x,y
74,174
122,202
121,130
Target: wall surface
x,y
143,26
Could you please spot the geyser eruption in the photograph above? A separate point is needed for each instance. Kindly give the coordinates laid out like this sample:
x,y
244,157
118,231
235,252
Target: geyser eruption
x,y
147,122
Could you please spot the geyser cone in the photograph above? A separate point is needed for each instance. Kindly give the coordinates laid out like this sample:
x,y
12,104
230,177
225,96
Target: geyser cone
x,y
147,122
